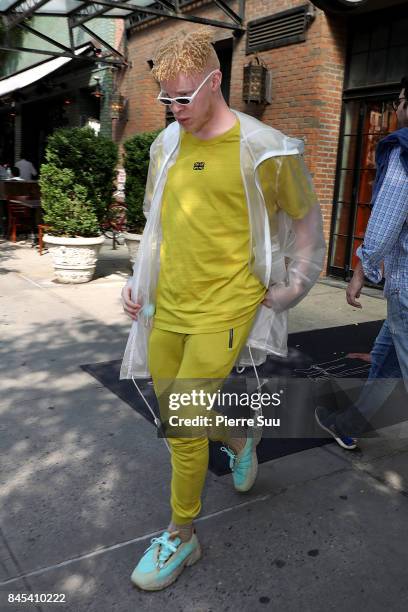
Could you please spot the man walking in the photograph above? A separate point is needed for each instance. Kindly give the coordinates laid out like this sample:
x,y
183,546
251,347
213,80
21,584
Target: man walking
x,y
385,249
233,239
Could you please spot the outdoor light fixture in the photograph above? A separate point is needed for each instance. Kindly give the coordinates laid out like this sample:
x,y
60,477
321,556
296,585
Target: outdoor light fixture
x,y
117,106
97,92
255,79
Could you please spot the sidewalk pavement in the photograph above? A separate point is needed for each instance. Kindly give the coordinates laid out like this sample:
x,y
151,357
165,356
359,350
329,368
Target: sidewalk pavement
x,y
85,480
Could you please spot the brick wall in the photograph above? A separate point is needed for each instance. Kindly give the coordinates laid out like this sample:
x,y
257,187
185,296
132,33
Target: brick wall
x,y
307,85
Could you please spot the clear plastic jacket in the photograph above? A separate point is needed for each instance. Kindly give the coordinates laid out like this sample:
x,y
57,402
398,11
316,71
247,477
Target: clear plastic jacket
x,y
286,255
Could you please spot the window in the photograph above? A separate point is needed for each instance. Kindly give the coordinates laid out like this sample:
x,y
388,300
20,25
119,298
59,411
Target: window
x,y
379,53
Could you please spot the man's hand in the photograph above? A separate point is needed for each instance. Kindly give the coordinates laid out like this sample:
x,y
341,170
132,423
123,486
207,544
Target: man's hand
x,y
275,295
267,301
131,308
363,356
354,287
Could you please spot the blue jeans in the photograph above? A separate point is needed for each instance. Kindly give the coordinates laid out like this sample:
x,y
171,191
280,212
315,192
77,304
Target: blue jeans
x,y
397,316
389,362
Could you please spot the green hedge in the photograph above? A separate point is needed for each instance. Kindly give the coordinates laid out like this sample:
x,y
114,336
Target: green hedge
x,y
136,163
91,158
67,209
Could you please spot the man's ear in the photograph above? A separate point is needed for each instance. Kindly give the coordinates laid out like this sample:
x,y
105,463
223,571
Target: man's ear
x,y
219,75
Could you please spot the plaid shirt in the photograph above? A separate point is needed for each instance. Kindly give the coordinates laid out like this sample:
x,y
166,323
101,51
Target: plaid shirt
x,y
386,238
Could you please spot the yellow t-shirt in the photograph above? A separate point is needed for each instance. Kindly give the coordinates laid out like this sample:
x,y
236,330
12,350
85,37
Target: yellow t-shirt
x,y
205,284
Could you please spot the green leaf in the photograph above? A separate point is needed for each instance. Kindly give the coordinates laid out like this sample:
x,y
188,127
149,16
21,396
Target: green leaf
x,y
136,164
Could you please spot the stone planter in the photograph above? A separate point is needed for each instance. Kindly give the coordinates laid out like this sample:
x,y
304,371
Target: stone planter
x,y
74,258
132,242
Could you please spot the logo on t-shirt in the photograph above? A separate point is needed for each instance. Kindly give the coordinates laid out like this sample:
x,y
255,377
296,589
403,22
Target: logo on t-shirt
x,y
199,166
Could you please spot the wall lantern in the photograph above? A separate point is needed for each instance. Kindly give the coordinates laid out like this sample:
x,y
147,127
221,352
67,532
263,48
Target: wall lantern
x,y
97,92
12,111
118,106
255,82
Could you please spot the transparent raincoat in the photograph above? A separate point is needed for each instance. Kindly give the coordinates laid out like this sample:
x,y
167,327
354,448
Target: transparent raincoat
x,y
286,255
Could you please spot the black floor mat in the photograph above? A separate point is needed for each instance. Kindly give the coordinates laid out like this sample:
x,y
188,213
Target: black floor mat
x,y
317,352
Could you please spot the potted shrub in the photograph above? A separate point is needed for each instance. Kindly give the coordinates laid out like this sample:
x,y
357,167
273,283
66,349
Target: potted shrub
x,y
93,160
73,237
136,164
76,189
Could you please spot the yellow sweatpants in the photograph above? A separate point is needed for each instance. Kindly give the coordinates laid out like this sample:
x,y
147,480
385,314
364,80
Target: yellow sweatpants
x,y
181,358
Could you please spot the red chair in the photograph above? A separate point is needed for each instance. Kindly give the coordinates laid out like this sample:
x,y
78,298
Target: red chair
x,y
19,217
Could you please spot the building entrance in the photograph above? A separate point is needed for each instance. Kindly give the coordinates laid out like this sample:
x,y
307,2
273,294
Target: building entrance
x,y
366,122
377,59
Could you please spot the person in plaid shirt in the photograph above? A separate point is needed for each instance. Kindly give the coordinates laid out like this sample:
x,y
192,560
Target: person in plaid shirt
x,y
384,252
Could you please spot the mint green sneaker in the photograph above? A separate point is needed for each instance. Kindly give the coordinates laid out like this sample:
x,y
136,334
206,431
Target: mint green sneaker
x,y
244,465
164,560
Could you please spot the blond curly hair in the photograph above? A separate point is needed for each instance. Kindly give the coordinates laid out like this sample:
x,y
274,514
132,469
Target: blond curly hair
x,y
187,52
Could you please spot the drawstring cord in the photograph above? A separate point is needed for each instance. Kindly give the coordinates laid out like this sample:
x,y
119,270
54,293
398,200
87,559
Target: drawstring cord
x,y
255,370
259,386
156,420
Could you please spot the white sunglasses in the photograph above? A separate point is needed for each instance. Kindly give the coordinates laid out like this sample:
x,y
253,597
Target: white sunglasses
x,y
183,99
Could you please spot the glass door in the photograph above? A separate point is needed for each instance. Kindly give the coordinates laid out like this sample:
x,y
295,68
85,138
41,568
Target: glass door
x,y
366,122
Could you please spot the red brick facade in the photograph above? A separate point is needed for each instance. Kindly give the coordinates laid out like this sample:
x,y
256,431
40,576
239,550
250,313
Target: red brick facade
x,y
306,88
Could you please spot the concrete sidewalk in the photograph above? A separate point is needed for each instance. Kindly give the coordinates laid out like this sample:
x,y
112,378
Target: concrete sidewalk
x,y
321,529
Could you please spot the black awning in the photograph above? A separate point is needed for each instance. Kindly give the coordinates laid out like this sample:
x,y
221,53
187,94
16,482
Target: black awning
x,y
16,13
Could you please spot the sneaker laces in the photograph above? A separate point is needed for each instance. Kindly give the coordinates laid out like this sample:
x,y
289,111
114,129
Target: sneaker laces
x,y
232,456
238,464
167,548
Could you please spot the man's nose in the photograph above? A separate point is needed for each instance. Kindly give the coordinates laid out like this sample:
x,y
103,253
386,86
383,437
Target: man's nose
x,y
175,106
